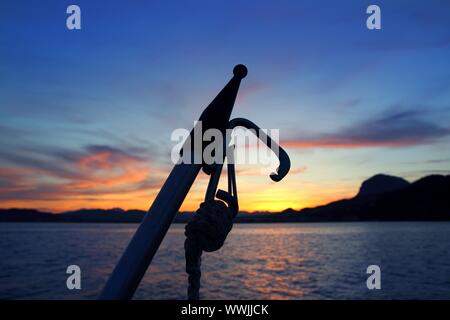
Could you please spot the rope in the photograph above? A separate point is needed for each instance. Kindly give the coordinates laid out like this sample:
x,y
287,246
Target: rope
x,y
206,231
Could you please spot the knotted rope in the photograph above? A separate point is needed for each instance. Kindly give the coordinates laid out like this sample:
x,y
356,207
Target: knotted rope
x,y
206,231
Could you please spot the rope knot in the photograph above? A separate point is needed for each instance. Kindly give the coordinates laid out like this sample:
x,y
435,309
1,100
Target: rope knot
x,y
210,225
206,231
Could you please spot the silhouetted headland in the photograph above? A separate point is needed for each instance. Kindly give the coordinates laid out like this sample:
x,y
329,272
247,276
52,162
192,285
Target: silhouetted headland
x,y
380,198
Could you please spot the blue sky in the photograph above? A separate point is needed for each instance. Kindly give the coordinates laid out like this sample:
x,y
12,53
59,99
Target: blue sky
x,y
349,102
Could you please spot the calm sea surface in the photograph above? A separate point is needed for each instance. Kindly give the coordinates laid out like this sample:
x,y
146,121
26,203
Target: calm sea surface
x,y
258,261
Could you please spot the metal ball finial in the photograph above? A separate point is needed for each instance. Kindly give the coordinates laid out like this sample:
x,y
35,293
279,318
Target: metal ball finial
x,y
240,71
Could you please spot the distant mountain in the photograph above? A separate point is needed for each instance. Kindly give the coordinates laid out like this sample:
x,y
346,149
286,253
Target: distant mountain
x,y
389,198
82,215
102,215
381,197
381,183
25,215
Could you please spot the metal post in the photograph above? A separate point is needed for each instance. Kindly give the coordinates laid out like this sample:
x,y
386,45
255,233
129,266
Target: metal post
x,y
132,266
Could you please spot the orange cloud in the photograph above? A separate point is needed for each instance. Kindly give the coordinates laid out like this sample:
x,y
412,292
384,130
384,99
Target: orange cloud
x,y
100,177
105,168
104,177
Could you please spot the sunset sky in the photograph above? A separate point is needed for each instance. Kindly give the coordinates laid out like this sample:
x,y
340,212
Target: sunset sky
x,y
86,115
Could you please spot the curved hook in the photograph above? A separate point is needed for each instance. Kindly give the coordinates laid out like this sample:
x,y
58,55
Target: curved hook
x,y
285,162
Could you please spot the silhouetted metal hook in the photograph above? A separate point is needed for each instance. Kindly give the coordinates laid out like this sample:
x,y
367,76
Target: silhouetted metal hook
x,y
285,162
230,197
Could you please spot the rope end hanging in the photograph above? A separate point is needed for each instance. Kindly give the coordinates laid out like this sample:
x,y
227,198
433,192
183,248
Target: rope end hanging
x,y
207,231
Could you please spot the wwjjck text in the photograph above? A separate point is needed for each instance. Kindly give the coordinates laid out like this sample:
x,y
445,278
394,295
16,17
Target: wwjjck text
x,y
239,146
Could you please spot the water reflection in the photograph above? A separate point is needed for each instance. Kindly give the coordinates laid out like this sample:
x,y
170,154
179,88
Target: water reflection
x,y
266,261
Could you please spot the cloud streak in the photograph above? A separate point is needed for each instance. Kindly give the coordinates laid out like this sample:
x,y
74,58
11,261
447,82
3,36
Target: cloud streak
x,y
401,129
95,172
